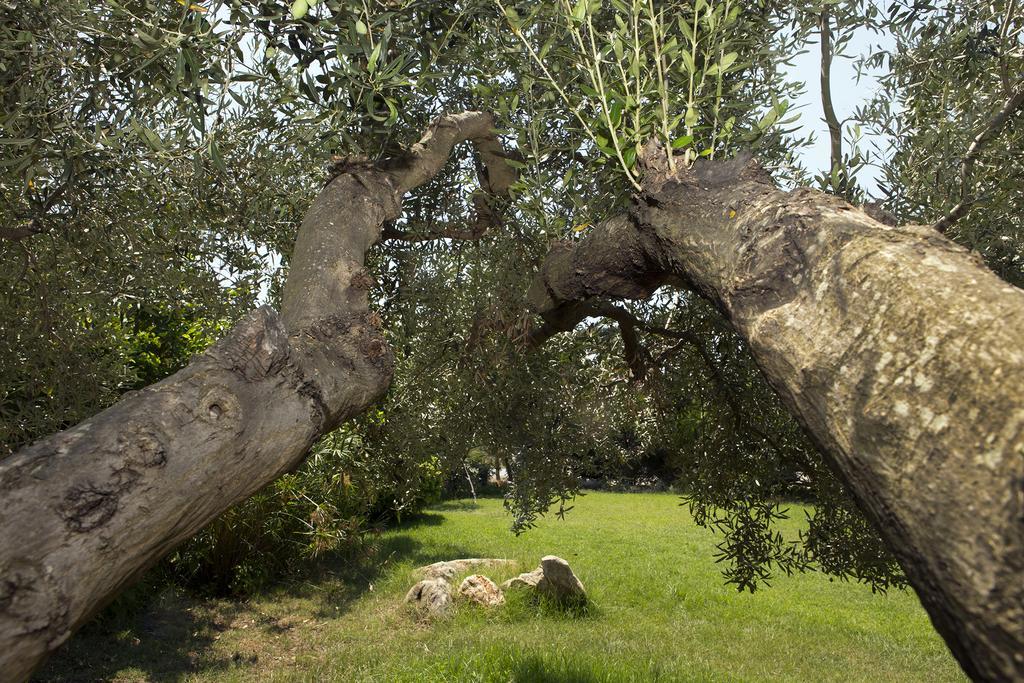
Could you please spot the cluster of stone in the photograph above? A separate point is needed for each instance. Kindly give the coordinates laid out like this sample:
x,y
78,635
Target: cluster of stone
x,y
432,595
553,579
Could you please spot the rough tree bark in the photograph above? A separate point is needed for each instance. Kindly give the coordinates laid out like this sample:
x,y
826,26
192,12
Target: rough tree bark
x,y
87,510
898,351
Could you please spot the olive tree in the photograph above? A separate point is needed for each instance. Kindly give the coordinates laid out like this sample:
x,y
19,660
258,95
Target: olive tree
x,y
609,178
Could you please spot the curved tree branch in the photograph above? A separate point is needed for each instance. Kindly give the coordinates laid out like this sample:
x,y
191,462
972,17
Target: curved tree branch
x,y
88,509
425,158
835,129
35,225
991,130
485,218
20,232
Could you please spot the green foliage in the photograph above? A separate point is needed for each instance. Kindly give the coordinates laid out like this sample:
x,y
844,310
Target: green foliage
x,y
952,68
91,354
159,155
162,341
634,70
110,114
330,505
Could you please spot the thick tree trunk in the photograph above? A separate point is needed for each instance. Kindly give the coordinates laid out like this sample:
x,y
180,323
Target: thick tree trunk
x,y
87,510
901,354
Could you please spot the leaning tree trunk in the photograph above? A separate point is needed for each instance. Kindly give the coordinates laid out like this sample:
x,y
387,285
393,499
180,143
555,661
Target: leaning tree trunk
x,y
85,511
899,352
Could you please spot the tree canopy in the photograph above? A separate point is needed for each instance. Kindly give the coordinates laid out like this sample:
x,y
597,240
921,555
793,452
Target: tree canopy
x,y
158,157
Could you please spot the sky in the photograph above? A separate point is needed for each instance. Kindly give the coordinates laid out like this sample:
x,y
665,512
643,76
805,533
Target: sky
x,y
847,94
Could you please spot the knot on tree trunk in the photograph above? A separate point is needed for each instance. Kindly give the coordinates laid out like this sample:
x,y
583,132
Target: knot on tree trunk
x,y
346,361
703,173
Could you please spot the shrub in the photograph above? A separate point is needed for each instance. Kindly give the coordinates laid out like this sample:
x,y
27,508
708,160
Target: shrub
x,y
331,504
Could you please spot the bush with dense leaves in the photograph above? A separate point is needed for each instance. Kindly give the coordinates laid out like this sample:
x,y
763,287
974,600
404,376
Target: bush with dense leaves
x,y
338,498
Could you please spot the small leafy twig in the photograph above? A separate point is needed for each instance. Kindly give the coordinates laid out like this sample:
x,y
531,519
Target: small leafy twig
x,y
551,79
599,86
691,112
561,93
656,23
1004,30
986,135
835,129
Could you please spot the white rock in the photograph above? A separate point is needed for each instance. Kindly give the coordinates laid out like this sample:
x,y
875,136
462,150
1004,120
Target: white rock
x,y
432,596
450,569
553,579
481,590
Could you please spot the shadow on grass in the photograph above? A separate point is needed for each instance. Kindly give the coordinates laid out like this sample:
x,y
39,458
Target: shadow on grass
x,y
156,633
526,606
459,505
518,667
534,669
354,579
418,520
157,637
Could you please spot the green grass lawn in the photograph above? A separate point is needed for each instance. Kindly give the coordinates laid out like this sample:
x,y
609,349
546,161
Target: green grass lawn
x,y
660,612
